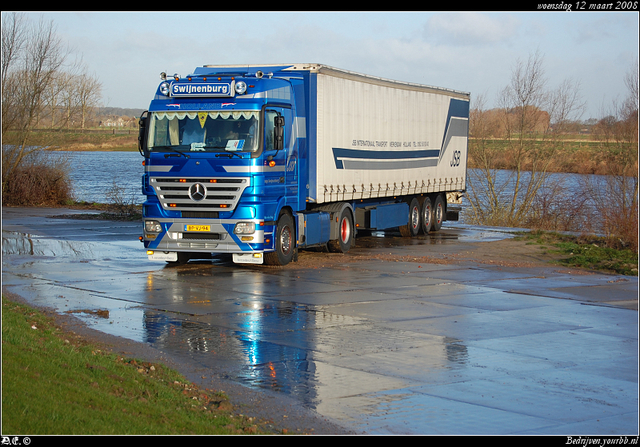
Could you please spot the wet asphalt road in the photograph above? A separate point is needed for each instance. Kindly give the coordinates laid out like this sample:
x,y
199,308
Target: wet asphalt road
x,y
373,346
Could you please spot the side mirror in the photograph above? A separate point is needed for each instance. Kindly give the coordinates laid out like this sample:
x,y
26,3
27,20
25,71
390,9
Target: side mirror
x,y
278,133
142,134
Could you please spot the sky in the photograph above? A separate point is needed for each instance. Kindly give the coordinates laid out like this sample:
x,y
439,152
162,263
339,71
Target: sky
x,y
469,51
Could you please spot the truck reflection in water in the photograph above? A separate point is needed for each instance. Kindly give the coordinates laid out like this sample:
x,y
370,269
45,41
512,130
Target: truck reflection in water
x,y
259,343
235,326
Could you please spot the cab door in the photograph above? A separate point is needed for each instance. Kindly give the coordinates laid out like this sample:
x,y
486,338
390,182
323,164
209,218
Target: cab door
x,y
281,159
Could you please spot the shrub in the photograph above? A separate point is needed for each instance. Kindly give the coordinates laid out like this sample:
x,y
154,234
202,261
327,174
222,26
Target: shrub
x,y
122,206
37,185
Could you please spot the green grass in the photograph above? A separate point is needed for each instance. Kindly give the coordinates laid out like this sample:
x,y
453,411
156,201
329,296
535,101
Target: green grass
x,y
55,383
591,252
75,139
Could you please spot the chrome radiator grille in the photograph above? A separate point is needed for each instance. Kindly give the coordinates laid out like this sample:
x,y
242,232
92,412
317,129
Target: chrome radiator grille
x,y
199,194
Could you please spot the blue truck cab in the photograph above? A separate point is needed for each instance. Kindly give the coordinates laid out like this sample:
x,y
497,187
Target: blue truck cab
x,y
222,151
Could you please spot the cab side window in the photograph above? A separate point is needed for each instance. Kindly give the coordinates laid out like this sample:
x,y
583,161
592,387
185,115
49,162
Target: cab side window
x,y
269,117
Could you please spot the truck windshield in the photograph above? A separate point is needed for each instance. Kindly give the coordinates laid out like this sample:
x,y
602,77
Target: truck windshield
x,y
204,131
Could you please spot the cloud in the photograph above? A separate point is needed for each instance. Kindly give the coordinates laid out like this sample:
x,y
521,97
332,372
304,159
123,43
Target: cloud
x,y
470,28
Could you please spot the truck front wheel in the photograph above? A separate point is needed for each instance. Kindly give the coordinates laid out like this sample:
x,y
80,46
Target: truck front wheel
x,y
284,242
183,258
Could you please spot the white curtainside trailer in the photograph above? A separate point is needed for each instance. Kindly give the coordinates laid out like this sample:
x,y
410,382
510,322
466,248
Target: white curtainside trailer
x,y
378,138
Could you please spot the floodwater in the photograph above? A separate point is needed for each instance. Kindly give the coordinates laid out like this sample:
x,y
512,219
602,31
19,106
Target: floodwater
x,y
93,182
93,174
377,346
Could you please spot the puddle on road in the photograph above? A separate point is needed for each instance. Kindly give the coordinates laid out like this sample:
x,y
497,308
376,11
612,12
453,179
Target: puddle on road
x,y
264,344
244,354
280,346
452,233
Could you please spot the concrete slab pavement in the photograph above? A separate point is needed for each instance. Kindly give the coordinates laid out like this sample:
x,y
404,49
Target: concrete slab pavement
x,y
380,347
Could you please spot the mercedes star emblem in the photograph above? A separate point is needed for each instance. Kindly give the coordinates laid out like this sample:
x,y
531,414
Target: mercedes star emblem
x,y
197,192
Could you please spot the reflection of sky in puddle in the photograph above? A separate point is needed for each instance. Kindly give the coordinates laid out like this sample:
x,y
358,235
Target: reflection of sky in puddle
x,y
122,322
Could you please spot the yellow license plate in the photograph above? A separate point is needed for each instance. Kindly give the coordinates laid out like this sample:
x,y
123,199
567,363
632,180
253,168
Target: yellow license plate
x,y
197,228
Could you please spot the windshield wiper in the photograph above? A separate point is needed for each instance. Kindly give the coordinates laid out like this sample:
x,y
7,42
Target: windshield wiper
x,y
228,154
172,149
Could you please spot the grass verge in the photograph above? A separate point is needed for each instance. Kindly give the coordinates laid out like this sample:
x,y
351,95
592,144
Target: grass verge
x,y
56,383
591,252
105,211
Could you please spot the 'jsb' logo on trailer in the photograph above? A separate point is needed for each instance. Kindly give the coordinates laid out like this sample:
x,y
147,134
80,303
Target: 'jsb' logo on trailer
x,y
455,160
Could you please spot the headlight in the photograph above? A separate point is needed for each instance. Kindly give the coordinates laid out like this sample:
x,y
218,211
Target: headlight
x,y
164,88
241,87
245,228
152,226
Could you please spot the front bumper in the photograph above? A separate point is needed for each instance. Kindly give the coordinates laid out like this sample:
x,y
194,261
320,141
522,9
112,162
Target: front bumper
x,y
210,236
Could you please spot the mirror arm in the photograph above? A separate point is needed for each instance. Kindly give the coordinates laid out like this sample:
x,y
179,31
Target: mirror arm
x,y
142,133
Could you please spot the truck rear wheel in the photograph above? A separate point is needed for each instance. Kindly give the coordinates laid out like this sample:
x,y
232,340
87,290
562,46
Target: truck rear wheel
x,y
284,242
412,228
345,233
438,212
426,215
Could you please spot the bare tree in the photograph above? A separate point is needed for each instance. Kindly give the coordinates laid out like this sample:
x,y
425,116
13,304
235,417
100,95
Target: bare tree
x,y
39,81
615,196
565,106
52,104
522,102
88,93
13,42
485,194
27,74
531,118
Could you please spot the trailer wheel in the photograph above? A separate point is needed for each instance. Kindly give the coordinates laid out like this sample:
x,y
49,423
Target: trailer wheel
x,y
426,215
412,228
345,233
438,212
284,242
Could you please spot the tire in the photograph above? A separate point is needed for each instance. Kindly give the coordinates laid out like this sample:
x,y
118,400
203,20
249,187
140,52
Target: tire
x,y
426,215
438,212
345,233
412,228
183,258
285,242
